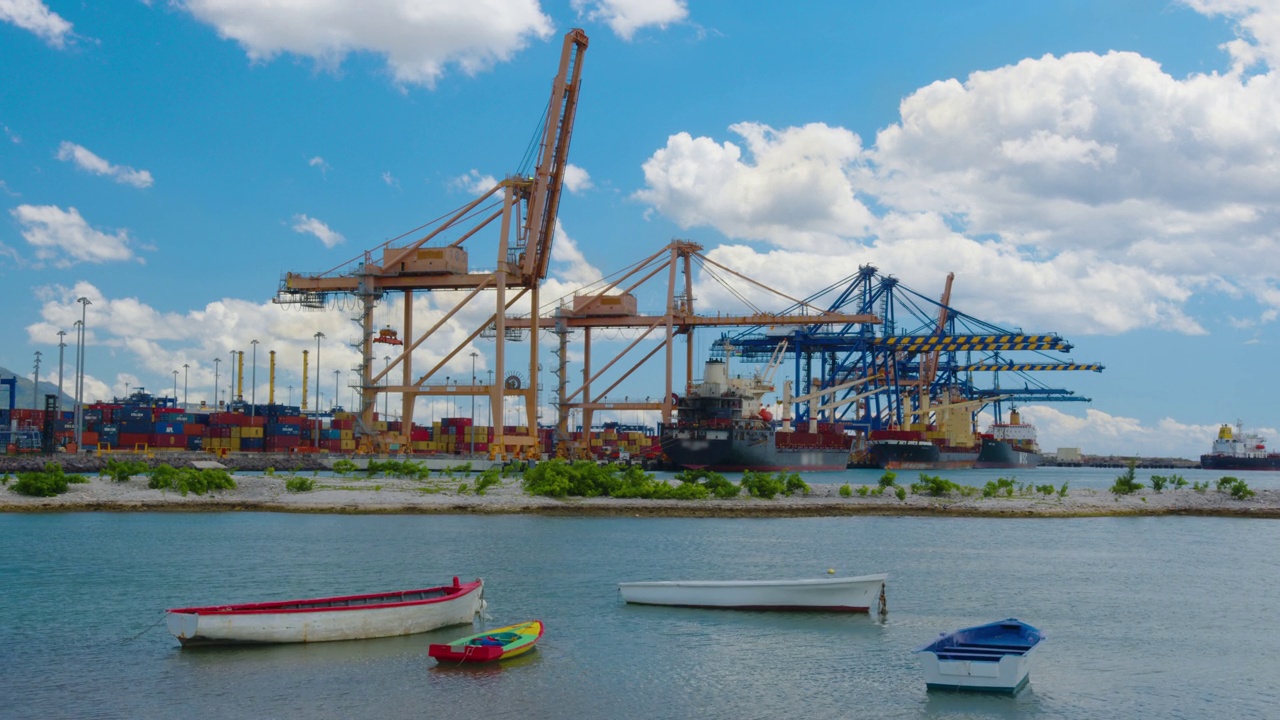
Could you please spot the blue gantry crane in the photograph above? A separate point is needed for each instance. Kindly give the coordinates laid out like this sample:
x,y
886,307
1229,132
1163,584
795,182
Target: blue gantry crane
x,y
924,354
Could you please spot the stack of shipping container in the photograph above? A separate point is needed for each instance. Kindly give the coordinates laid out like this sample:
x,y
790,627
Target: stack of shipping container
x,y
136,426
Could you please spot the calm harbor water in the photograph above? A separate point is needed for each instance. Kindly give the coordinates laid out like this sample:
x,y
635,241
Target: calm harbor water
x,y
1146,617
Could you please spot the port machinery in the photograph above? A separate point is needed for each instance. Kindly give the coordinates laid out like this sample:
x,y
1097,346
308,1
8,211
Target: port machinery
x,y
524,206
918,364
613,304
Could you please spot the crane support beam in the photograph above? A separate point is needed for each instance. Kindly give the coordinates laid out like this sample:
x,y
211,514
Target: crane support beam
x,y
1029,367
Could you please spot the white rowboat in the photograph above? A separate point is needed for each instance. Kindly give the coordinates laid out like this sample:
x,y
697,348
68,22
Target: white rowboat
x,y
351,617
845,594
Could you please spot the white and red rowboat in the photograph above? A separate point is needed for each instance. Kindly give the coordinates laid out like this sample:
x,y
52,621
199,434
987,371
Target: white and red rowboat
x,y
350,617
842,594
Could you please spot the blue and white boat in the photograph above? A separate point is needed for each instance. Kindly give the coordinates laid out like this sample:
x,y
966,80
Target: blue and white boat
x,y
995,657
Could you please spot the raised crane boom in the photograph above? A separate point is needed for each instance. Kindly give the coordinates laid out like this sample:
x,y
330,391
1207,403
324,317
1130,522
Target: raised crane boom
x,y
544,201
524,207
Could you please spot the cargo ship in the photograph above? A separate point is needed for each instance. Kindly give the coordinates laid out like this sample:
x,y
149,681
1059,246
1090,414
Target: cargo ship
x,y
1239,450
913,450
949,443
1009,445
722,425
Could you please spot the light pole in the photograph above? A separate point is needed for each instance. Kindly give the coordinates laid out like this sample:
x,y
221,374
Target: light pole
x,y
79,415
35,386
491,397
472,430
216,363
317,437
231,387
253,381
175,387
290,394
336,396
386,396
185,405
62,344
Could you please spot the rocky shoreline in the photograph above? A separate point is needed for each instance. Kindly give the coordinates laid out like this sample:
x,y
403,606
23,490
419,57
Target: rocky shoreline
x,y
445,495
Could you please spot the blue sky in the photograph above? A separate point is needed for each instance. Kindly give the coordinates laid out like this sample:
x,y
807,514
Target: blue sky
x,y
1109,171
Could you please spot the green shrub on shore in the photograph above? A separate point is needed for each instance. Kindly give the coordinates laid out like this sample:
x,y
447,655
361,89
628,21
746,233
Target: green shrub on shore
x,y
846,491
862,490
185,480
1238,488
45,483
763,485
343,467
487,479
934,485
122,470
1200,487
1158,482
1063,492
901,492
995,487
1127,483
888,479
298,484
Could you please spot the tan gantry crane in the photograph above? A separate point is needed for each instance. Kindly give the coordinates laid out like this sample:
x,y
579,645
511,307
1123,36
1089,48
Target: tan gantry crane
x,y
525,208
615,306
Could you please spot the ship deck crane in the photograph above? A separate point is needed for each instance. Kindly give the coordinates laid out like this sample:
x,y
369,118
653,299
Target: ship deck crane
x,y
525,207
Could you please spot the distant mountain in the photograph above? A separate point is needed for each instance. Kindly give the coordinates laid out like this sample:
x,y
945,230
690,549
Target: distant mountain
x,y
22,395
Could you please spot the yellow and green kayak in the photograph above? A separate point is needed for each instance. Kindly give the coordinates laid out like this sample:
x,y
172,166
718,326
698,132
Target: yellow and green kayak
x,y
497,644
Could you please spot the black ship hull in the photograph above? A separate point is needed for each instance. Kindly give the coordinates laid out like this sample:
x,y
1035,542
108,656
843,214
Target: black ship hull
x,y
997,454
1229,462
757,449
919,455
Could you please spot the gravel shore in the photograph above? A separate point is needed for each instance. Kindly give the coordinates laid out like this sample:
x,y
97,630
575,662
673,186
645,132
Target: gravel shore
x,y
358,494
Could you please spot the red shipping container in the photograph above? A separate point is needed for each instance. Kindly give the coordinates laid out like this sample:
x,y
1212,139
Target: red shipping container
x,y
420,434
131,440
89,439
281,442
169,441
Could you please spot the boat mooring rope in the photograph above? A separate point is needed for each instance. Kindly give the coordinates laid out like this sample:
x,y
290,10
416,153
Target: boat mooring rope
x,y
149,627
884,604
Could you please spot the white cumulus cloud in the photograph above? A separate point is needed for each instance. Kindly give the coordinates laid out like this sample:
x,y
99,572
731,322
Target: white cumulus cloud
x,y
1111,193
473,183
311,226
1258,29
794,187
36,17
576,179
625,17
87,160
420,39
64,238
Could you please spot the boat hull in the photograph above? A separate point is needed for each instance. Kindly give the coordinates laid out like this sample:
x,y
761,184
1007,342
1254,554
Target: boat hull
x,y
764,450
508,642
1227,462
354,617
994,658
919,455
997,454
851,594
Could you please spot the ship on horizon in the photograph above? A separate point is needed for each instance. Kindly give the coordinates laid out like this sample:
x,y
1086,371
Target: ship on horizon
x,y
1239,450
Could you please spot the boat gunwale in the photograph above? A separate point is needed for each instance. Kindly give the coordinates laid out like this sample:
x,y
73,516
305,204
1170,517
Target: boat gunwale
x,y
280,607
757,583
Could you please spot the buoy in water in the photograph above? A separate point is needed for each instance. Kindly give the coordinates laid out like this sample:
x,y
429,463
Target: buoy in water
x,y
831,571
